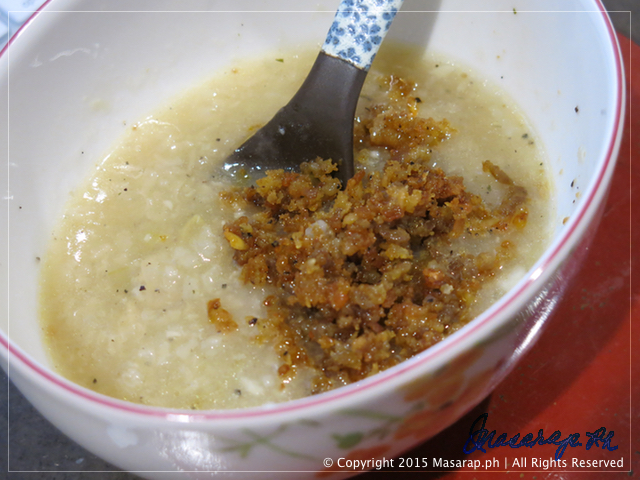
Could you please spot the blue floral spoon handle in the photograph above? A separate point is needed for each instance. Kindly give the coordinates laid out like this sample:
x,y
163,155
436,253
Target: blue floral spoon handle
x,y
358,30
318,121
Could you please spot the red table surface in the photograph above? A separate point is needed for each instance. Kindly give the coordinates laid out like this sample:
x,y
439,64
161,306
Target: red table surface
x,y
583,372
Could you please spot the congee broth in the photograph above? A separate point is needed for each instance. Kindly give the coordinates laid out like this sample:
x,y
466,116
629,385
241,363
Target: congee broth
x,y
170,283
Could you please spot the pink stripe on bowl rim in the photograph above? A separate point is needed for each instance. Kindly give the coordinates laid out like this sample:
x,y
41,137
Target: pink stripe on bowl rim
x,y
28,21
445,346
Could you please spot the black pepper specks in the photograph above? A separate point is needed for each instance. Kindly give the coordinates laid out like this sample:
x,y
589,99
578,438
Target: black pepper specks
x,y
142,288
577,109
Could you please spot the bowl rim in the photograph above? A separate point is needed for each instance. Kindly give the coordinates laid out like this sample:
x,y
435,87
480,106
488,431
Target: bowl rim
x,y
485,323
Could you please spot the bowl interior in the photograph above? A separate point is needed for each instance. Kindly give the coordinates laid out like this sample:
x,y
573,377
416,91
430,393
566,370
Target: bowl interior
x,y
77,77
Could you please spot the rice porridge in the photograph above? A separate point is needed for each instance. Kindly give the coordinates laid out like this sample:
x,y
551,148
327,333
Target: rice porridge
x,y
142,297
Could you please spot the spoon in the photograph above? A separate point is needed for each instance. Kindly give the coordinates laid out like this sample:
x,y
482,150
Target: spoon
x,y
318,120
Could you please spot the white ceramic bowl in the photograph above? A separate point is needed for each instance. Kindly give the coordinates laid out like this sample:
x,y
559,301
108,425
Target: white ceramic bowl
x,y
563,67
